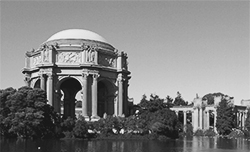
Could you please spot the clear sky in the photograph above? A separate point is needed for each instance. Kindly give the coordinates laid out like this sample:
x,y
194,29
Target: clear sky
x,y
186,46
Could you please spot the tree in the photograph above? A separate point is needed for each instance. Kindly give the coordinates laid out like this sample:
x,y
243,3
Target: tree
x,y
247,123
178,101
25,113
225,118
154,114
210,97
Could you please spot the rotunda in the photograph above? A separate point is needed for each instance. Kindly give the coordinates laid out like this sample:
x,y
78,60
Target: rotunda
x,y
77,60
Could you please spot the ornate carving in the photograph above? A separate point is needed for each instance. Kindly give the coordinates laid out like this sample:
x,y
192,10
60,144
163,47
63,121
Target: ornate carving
x,y
90,55
85,75
46,55
37,60
95,76
69,57
106,60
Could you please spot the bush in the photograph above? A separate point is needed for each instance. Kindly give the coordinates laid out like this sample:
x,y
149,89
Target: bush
x,y
210,133
68,124
236,133
199,132
81,128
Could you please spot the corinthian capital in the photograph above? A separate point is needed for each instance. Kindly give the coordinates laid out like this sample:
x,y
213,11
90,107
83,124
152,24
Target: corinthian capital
x,y
95,76
85,75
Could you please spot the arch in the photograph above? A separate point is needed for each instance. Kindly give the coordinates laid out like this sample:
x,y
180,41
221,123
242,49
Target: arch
x,y
105,97
70,87
37,83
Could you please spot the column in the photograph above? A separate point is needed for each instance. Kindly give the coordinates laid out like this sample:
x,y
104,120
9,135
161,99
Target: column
x,y
50,90
196,120
185,120
177,112
120,96
243,120
200,119
94,97
85,95
83,56
208,119
96,57
215,119
192,113
125,97
237,119
119,61
57,102
240,119
42,82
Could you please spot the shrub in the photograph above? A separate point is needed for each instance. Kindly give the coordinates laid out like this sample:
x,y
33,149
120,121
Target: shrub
x,y
199,132
209,132
81,128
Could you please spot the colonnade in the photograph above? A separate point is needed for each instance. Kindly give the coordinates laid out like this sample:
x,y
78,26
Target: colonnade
x,y
200,118
46,83
89,94
241,116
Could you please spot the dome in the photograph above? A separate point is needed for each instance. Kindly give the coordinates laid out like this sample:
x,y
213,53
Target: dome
x,y
77,34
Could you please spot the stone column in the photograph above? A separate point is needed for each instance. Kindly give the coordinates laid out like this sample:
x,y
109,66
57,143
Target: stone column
x,y
96,57
208,119
237,119
120,95
50,90
85,95
177,113
94,97
57,103
215,119
192,113
119,61
196,122
42,81
200,119
243,120
185,120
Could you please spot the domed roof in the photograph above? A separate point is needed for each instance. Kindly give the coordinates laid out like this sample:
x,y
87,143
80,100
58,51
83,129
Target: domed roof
x,y
77,34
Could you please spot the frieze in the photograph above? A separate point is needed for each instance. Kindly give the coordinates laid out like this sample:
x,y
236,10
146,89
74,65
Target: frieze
x,y
37,60
69,57
106,60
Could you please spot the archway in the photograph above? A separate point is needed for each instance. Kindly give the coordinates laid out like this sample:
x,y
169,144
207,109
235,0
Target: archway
x,y
105,98
69,87
37,84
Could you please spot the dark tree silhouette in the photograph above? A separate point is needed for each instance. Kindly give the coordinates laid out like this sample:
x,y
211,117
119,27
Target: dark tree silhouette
x,y
225,118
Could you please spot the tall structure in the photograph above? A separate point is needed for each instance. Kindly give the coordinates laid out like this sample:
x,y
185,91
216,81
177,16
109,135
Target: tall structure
x,y
80,60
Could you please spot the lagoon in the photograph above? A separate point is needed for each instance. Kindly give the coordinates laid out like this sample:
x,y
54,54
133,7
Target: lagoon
x,y
192,144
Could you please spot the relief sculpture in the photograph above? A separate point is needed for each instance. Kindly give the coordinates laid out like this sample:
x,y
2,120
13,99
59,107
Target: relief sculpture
x,y
106,60
90,55
69,57
36,60
46,55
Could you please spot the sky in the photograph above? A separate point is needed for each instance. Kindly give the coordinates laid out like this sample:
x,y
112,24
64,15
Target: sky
x,y
194,47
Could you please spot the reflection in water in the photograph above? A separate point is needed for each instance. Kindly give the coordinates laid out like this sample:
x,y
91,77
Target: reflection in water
x,y
194,144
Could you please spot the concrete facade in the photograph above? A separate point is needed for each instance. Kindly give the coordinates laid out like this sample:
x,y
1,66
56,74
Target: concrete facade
x,y
79,60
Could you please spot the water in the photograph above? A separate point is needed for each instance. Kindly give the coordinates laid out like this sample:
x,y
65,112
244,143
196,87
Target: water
x,y
195,144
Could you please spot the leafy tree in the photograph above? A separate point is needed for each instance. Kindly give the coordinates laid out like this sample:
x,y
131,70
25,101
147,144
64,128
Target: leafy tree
x,y
25,113
247,123
225,118
154,114
178,101
210,97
